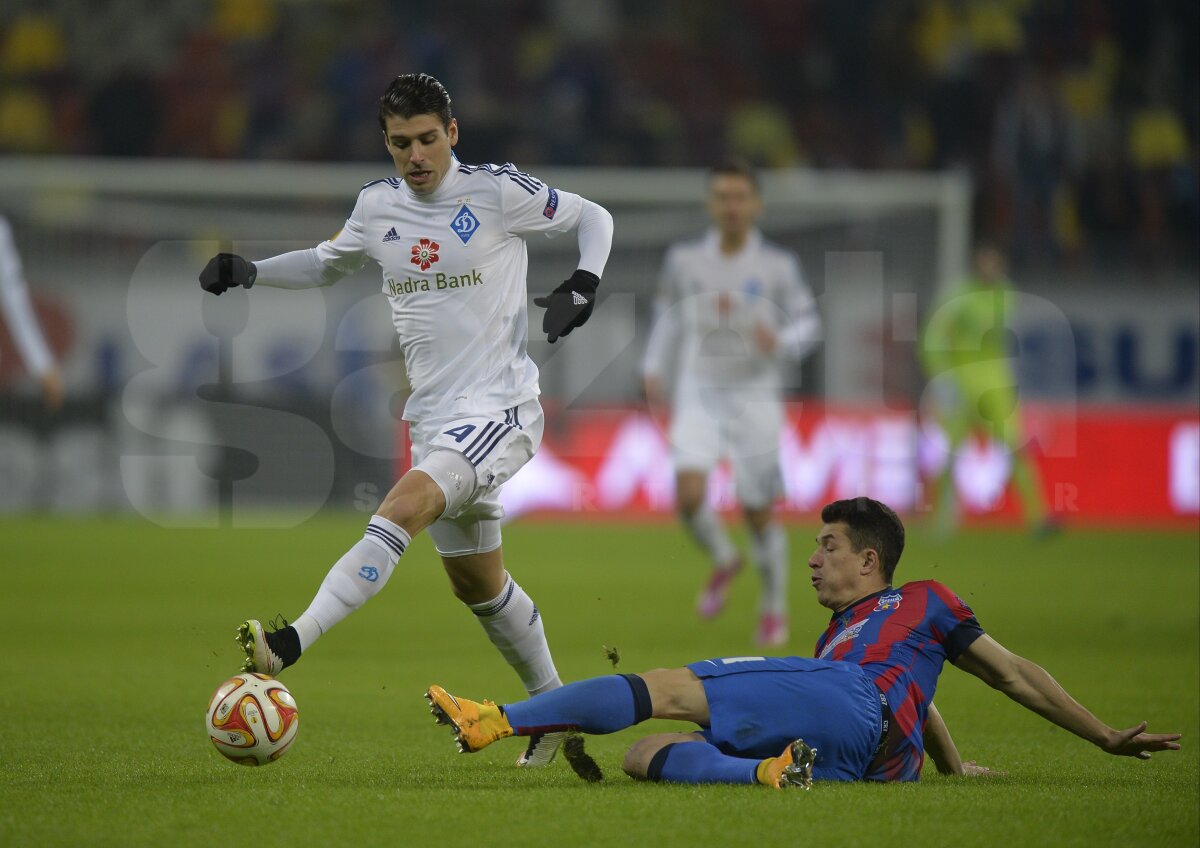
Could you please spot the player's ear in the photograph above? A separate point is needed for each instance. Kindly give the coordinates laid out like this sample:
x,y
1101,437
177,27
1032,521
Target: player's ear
x,y
870,564
452,131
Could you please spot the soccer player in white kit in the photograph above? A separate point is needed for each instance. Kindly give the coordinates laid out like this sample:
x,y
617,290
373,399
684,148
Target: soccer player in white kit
x,y
733,312
23,324
449,238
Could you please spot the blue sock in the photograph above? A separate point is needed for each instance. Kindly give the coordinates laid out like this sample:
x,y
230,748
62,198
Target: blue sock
x,y
599,705
699,762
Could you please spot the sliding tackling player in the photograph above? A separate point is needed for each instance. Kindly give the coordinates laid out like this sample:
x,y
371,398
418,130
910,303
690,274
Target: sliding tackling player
x,y
861,709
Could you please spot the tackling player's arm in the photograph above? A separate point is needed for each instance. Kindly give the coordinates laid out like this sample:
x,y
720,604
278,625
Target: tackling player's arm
x,y
1032,687
944,753
939,745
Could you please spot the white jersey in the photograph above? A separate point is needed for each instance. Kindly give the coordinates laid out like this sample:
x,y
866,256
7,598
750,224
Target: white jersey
x,y
18,310
708,307
454,270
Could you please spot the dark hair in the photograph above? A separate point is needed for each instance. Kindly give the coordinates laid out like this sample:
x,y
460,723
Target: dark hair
x,y
734,167
870,524
415,94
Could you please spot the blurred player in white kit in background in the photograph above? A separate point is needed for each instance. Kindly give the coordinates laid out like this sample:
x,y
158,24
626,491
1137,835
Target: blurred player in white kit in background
x,y
733,313
22,322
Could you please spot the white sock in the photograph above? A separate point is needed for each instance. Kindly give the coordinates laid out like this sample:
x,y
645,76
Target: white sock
x,y
512,622
770,557
354,579
708,531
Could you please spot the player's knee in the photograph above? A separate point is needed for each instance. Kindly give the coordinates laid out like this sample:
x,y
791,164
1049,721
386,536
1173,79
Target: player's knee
x,y
412,505
637,759
690,491
645,758
688,503
676,693
655,678
446,482
758,520
453,474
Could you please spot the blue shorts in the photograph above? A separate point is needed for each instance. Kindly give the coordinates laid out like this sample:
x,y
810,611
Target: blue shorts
x,y
758,705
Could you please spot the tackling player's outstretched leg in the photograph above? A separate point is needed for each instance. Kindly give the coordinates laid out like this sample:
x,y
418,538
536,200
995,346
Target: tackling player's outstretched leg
x,y
615,702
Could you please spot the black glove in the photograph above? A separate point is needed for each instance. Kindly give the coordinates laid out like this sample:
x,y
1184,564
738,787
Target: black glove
x,y
568,306
225,271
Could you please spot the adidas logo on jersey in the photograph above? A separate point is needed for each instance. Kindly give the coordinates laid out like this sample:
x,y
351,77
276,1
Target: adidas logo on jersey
x,y
578,299
391,235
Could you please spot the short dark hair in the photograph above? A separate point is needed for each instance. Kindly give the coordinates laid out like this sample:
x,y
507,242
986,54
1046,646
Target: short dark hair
x,y
870,524
415,94
734,167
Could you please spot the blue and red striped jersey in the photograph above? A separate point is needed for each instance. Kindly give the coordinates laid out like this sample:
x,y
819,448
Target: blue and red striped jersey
x,y
901,638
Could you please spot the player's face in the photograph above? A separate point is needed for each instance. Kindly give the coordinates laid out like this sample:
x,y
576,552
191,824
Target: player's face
x,y
733,203
837,569
420,146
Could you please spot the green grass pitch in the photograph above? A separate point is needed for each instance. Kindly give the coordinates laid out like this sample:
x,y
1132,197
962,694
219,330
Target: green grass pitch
x,y
115,632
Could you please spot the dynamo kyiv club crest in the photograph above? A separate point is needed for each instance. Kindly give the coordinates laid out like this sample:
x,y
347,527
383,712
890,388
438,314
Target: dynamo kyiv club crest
x,y
465,224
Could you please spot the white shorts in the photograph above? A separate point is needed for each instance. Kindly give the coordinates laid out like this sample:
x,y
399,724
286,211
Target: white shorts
x,y
708,426
497,445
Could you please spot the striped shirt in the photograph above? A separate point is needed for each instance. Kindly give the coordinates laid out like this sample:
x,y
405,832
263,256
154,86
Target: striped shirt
x,y
901,638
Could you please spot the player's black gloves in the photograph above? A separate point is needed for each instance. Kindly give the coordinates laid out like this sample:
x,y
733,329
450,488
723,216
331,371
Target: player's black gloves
x,y
225,271
568,306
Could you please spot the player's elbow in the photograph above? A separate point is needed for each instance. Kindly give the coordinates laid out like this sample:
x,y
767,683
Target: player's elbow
x,y
596,219
603,215
1006,676
995,666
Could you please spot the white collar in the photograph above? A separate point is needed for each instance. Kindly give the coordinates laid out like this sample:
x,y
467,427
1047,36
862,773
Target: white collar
x,y
712,242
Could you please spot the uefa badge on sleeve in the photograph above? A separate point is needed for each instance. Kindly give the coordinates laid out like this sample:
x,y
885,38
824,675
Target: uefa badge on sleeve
x,y
551,204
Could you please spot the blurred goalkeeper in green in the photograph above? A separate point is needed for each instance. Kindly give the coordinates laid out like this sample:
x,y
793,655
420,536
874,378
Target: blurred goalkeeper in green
x,y
964,349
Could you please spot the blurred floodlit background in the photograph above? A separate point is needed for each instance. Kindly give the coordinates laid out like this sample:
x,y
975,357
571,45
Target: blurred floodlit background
x,y
138,137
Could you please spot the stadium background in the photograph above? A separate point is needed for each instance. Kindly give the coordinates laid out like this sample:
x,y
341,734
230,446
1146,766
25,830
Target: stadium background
x,y
136,138
1067,131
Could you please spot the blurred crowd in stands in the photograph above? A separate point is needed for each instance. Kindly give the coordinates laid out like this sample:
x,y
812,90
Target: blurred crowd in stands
x,y
1077,119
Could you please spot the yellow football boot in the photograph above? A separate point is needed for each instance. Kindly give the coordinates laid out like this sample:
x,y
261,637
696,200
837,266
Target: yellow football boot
x,y
793,767
476,725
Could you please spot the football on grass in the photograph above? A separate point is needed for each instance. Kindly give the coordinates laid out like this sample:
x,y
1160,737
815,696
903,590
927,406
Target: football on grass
x,y
252,719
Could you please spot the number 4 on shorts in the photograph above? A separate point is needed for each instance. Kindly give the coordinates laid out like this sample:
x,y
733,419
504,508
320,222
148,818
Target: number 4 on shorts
x,y
460,433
